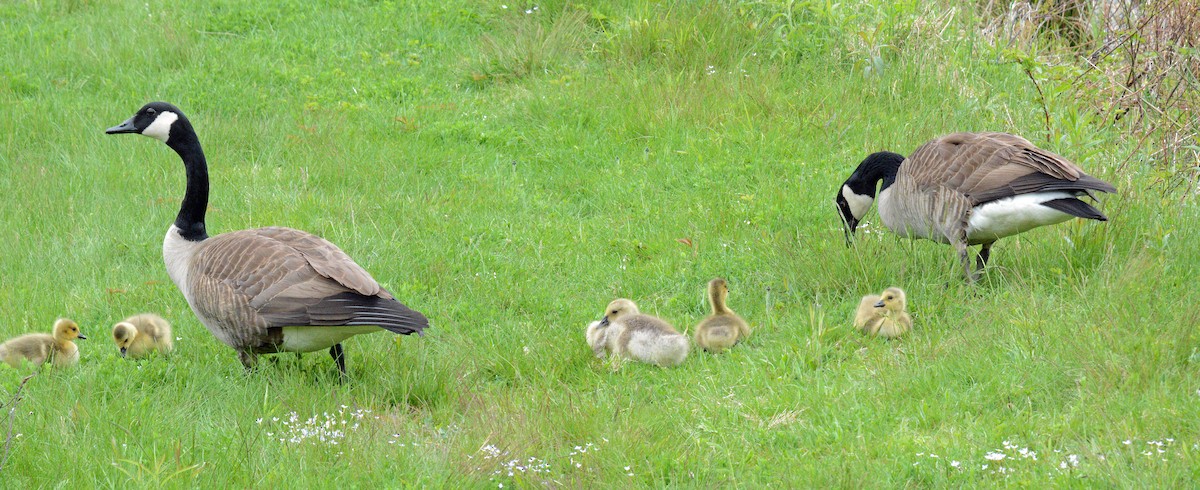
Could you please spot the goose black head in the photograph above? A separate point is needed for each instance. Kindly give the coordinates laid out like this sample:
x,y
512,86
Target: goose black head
x,y
858,192
157,120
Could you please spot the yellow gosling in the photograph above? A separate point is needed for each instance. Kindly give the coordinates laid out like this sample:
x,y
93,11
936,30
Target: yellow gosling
x,y
57,348
723,328
139,335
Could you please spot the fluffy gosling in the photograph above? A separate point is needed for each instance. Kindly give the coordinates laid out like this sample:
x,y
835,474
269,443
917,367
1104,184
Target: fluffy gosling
x,y
626,333
723,328
38,348
884,315
139,335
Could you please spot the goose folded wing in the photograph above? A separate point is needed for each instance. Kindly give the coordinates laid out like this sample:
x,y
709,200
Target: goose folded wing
x,y
293,278
990,166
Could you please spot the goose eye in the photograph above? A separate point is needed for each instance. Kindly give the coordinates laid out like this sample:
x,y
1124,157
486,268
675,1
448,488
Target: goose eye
x,y
150,111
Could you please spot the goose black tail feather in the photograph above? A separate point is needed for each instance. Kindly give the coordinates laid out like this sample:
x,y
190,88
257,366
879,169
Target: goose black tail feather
x,y
1075,207
1039,182
350,308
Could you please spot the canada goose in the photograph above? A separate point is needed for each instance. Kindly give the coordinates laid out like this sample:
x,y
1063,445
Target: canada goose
x,y
43,347
969,189
624,332
723,328
264,290
883,314
139,335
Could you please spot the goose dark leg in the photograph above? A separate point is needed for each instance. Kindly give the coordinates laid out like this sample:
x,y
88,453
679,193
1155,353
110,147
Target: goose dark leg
x,y
964,256
248,359
339,357
984,253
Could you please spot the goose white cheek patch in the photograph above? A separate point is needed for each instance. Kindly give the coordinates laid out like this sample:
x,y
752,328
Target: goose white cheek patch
x,y
160,129
859,204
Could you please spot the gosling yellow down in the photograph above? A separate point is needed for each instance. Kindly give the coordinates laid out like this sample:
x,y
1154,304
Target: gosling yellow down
x,y
57,348
139,335
883,314
723,328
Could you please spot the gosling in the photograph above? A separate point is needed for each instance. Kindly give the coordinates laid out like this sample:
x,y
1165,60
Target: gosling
x,y
883,315
39,348
139,335
626,333
723,328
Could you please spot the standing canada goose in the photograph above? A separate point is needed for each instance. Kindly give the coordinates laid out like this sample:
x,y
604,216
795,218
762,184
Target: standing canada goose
x,y
969,189
139,335
624,332
883,314
264,290
37,348
723,328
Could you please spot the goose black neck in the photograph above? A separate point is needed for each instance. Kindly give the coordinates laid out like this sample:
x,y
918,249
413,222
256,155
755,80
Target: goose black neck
x,y
876,167
190,219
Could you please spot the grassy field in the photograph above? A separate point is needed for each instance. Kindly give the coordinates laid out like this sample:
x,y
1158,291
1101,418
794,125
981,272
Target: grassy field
x,y
508,170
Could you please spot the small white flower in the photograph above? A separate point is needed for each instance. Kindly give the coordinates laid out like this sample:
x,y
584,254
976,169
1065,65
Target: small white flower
x,y
994,456
1127,442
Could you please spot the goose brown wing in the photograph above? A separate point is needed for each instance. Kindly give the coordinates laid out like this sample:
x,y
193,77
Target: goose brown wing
x,y
283,277
989,166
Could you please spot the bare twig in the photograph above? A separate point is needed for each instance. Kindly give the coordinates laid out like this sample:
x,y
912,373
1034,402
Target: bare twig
x,y
12,411
1042,97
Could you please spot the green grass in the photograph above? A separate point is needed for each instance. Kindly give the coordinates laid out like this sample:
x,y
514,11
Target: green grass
x,y
508,174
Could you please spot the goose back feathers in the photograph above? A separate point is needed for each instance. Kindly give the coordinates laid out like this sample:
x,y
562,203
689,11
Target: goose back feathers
x,y
280,277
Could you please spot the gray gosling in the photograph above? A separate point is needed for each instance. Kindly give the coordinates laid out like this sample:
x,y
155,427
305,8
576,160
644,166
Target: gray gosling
x,y
883,315
38,348
139,335
626,333
723,328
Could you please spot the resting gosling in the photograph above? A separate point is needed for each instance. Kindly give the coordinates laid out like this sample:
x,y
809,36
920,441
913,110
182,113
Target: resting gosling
x,y
626,333
264,290
723,328
139,335
38,348
883,315
969,189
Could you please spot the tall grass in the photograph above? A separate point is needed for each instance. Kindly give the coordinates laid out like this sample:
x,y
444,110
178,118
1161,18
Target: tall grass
x,y
508,174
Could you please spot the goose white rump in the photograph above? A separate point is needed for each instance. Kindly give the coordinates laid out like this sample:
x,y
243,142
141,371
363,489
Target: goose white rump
x,y
1012,215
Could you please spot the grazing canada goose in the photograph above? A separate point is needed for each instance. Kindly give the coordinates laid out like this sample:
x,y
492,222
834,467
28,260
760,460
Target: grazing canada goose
x,y
139,335
37,348
969,189
624,332
264,290
883,314
723,328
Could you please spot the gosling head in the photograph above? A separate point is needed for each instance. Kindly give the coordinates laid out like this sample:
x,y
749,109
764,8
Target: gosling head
x,y
123,334
719,286
66,330
158,120
858,192
892,299
617,309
